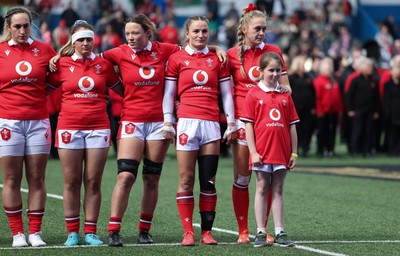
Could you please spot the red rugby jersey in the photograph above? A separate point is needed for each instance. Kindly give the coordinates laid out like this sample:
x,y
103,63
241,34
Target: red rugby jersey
x,y
272,113
23,79
142,74
253,75
198,77
83,104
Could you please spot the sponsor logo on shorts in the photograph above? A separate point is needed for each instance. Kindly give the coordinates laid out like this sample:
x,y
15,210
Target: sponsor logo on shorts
x,y
241,134
66,137
5,134
129,128
105,138
183,139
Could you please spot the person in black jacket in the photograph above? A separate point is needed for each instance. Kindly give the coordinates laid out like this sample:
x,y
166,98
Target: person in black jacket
x,y
303,95
362,100
391,106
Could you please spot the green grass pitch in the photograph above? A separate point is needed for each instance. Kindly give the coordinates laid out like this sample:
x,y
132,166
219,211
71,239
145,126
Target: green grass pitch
x,y
324,214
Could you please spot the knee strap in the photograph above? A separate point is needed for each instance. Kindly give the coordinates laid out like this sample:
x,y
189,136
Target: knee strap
x,y
150,167
128,165
208,165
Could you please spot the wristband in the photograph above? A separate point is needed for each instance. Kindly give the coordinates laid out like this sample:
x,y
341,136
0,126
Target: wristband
x,y
295,155
169,129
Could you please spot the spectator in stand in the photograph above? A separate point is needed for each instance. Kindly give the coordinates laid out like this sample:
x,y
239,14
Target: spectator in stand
x,y
25,136
391,106
328,107
348,73
169,33
362,101
385,42
303,94
69,15
110,39
45,34
61,34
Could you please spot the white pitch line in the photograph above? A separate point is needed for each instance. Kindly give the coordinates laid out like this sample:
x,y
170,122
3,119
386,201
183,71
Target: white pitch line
x,y
215,229
349,242
306,248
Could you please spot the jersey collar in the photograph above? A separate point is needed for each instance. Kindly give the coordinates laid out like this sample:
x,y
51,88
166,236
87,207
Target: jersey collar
x,y
266,89
189,50
146,48
260,46
75,56
11,42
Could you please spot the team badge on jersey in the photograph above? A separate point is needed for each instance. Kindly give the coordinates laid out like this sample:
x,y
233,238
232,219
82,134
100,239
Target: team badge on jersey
x,y
210,63
98,69
35,52
183,139
86,83
241,134
284,102
154,55
23,68
129,128
200,77
66,137
254,74
275,114
5,134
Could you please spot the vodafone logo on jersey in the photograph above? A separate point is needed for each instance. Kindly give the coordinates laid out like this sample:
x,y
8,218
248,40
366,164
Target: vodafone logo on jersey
x,y
200,77
23,68
274,114
146,72
86,83
254,74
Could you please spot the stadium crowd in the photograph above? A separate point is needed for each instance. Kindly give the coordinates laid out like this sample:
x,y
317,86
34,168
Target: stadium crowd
x,y
338,85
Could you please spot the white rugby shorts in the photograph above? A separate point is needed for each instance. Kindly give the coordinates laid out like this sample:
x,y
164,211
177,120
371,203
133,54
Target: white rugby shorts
x,y
24,137
142,131
193,133
80,139
241,132
269,168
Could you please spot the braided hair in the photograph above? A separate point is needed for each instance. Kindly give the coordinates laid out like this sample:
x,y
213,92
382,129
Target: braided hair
x,y
246,16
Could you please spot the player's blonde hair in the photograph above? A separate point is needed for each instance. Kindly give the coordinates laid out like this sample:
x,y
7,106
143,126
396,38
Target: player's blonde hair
x,y
188,22
245,17
68,48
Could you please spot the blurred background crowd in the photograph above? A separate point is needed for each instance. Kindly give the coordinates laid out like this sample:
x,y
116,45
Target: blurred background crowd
x,y
342,60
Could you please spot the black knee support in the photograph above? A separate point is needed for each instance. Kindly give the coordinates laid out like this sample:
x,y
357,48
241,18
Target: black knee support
x,y
152,168
208,165
128,165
